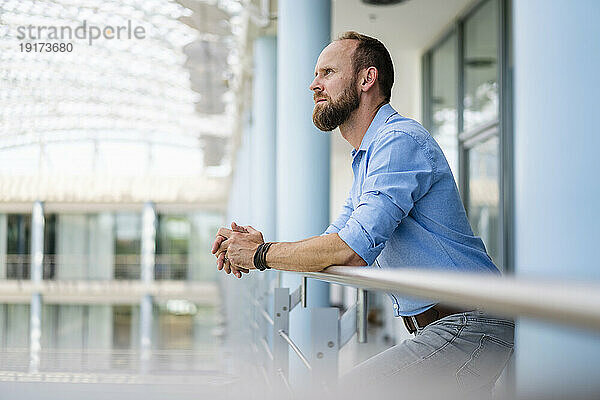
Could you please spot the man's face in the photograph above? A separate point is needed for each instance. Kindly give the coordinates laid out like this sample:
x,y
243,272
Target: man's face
x,y
335,86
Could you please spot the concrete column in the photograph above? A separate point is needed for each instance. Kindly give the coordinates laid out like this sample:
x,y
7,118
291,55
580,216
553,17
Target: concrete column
x,y
556,64
37,259
147,276
302,150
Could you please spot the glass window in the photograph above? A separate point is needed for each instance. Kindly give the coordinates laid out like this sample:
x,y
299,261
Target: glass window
x,y
73,255
122,327
172,244
463,102
480,62
15,328
125,331
444,85
176,324
49,246
203,228
128,239
484,193
18,234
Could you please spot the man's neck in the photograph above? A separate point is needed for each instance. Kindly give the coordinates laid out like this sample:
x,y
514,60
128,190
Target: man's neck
x,y
355,127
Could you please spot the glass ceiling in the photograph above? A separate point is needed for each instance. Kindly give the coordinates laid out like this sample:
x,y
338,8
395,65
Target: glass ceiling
x,y
154,107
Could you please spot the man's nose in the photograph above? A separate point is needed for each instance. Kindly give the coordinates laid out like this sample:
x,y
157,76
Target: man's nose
x,y
315,85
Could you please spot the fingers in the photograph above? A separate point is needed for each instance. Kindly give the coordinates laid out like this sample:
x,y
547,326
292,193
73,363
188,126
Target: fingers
x,y
217,243
224,232
219,249
226,265
251,229
223,263
237,271
220,261
222,247
238,228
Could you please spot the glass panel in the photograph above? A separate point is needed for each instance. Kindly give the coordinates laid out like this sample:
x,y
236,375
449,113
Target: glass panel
x,y
172,243
123,336
481,66
203,228
49,246
128,238
72,256
444,124
484,192
175,322
122,327
15,334
18,233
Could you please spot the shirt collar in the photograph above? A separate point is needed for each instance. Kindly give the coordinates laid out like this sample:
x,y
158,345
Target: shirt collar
x,y
383,114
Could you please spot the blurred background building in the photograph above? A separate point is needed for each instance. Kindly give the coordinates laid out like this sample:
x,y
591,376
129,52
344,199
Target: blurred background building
x,y
120,159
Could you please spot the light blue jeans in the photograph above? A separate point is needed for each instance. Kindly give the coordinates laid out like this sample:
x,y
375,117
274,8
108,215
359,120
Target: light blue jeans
x,y
461,355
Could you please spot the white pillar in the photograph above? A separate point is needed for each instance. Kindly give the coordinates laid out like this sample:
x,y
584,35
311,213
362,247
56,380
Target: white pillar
x,y
302,150
148,251
37,241
556,80
37,259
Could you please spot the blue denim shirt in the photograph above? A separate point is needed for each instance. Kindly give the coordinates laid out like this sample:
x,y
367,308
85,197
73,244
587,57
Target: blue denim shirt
x,y
404,209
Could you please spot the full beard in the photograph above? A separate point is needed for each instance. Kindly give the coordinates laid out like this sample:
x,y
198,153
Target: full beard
x,y
330,115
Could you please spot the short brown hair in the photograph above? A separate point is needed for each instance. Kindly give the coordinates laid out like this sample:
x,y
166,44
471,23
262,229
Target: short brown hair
x,y
370,52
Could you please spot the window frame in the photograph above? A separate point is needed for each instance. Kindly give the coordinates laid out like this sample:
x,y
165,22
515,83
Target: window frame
x,y
501,127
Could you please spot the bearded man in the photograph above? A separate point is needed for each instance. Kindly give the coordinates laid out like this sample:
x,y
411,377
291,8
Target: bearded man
x,y
403,210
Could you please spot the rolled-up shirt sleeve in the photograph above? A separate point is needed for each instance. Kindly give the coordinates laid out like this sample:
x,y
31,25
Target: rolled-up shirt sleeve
x,y
342,218
400,171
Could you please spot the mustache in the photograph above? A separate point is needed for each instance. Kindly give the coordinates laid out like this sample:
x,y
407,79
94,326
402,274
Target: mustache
x,y
319,96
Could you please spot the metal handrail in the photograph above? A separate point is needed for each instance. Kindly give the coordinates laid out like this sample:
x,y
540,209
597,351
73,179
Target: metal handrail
x,y
572,303
296,349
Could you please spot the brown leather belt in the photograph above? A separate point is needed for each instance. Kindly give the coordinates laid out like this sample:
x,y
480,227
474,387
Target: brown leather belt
x,y
435,313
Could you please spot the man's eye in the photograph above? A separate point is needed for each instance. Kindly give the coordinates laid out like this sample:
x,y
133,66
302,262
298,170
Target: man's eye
x,y
328,71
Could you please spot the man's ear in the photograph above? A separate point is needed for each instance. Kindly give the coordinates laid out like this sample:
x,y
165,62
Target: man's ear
x,y
368,78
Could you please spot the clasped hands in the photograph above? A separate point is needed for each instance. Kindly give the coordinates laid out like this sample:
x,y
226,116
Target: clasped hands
x,y
234,248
